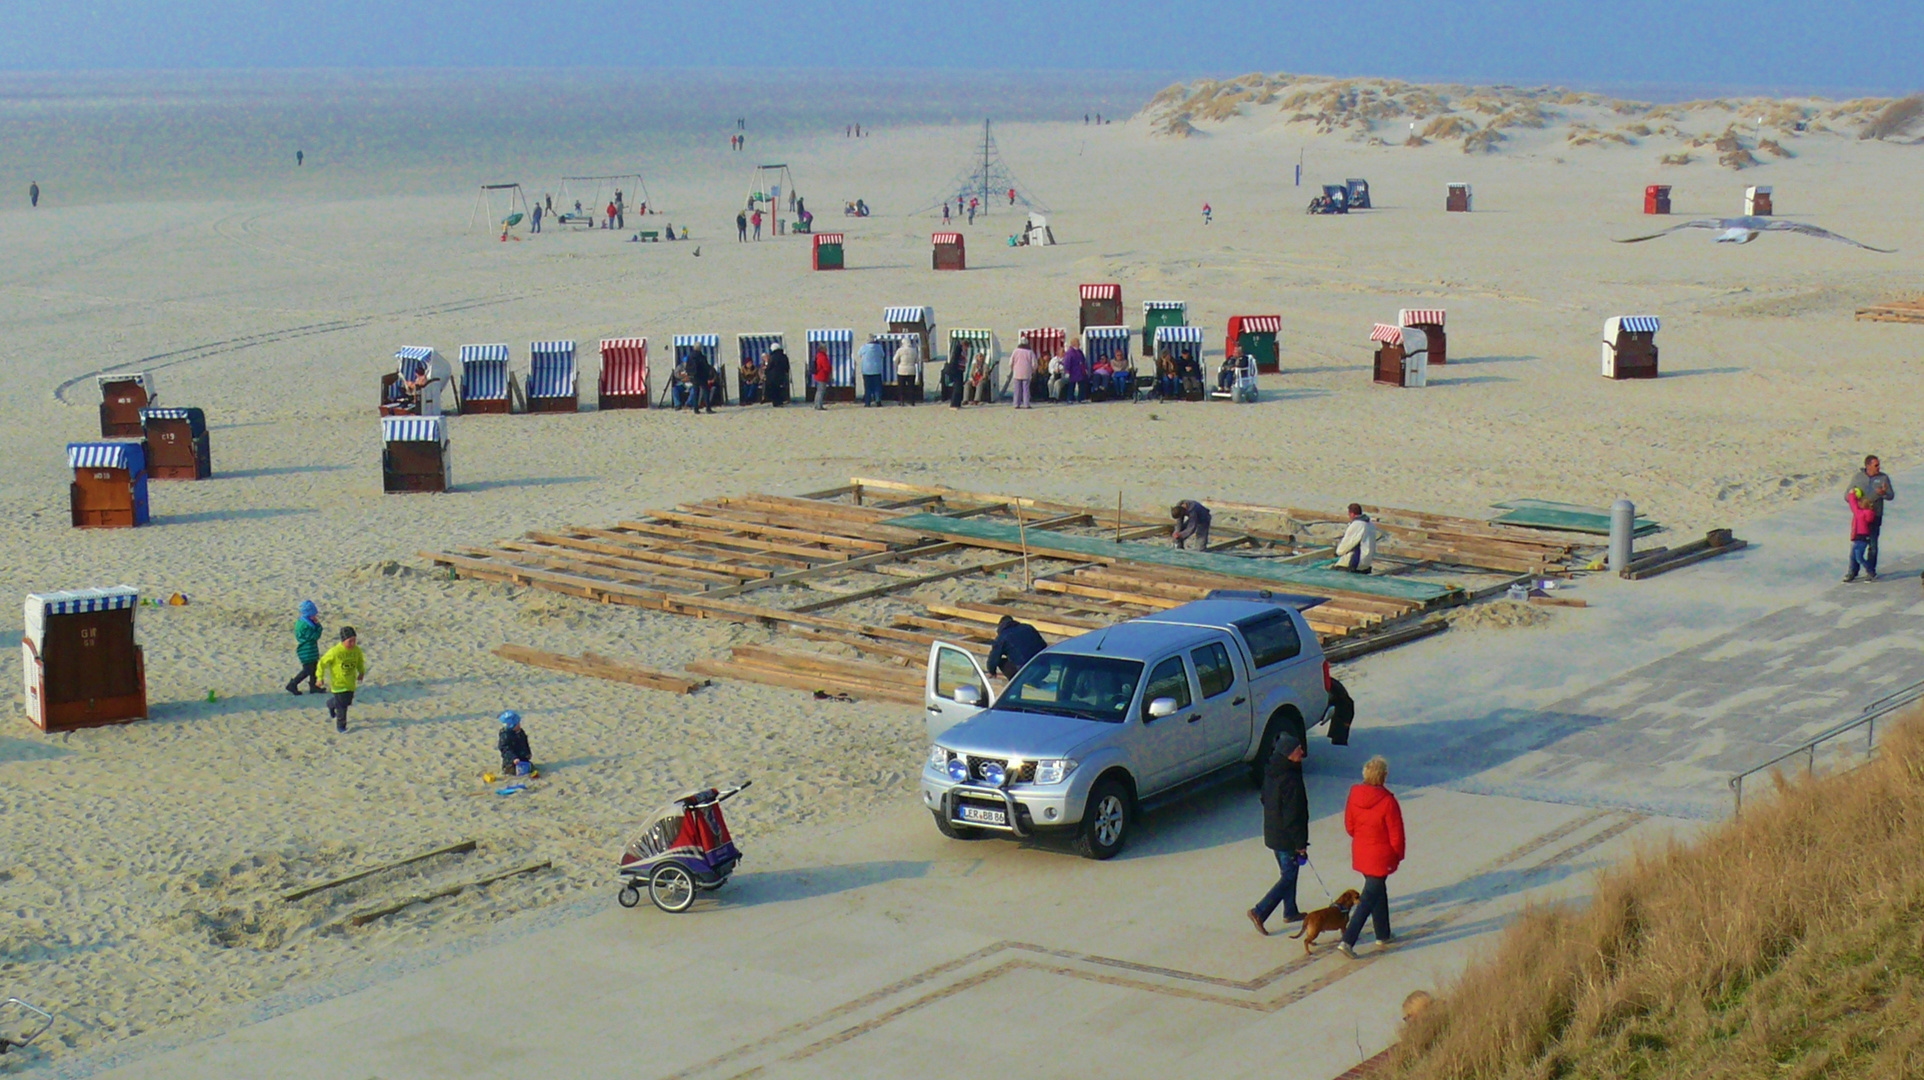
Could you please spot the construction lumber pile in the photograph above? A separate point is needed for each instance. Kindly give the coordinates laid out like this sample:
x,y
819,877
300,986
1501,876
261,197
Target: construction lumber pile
x,y
1663,560
1904,311
865,577
600,667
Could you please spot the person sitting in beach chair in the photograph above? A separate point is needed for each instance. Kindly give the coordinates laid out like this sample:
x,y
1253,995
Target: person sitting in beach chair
x,y
1102,378
1190,373
1233,368
1122,373
751,379
681,389
1166,388
517,757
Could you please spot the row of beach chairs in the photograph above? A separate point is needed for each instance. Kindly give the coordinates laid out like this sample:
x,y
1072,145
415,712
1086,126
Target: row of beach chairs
x,y
486,381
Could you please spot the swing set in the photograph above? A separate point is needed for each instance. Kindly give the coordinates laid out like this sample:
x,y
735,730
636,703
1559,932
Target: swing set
x,y
596,192
504,207
773,185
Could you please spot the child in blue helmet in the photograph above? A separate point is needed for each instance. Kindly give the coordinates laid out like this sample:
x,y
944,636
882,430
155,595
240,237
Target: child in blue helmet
x,y
516,757
307,648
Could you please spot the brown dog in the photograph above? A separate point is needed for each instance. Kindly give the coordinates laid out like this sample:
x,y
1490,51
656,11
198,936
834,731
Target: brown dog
x,y
1333,917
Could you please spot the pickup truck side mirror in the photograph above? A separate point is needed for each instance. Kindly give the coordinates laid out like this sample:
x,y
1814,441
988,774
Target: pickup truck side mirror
x,y
1161,707
968,695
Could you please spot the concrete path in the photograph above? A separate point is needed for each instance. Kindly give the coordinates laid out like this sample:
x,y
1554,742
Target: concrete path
x,y
1526,759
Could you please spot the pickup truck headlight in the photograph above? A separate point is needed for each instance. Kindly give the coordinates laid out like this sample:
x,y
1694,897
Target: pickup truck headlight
x,y
939,758
1053,770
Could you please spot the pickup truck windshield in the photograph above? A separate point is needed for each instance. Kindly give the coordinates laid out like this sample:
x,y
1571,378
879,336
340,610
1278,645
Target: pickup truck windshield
x,y
1065,684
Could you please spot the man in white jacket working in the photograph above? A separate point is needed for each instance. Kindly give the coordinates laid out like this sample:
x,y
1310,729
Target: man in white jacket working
x,y
1356,551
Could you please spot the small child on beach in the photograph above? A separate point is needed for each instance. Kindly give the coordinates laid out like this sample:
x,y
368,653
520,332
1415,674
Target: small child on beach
x,y
344,666
517,759
307,648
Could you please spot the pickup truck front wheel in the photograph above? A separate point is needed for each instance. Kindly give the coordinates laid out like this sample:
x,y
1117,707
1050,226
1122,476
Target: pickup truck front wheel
x,y
1106,820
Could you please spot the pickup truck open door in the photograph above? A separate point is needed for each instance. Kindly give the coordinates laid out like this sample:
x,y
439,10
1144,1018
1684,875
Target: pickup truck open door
x,y
954,688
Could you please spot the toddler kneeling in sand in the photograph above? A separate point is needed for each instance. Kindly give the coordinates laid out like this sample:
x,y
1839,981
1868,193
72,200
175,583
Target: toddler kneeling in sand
x,y
517,759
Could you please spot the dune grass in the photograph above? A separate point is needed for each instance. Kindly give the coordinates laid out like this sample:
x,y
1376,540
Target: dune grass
x,y
1786,943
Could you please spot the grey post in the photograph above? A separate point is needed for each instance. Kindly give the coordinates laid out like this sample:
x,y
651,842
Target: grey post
x,y
1623,526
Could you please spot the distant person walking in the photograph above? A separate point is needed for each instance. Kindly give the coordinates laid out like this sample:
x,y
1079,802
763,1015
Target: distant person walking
x,y
1011,196
756,220
1870,489
33,192
741,227
1022,373
775,373
822,371
1285,828
1192,522
307,648
972,205
1356,551
1374,820
954,373
535,227
300,158
343,667
1208,214
945,213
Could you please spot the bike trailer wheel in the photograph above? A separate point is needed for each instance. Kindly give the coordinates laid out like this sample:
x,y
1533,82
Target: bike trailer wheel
x,y
672,888
629,895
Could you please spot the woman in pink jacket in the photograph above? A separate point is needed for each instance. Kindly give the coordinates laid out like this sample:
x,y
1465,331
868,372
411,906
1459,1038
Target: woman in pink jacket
x,y
1863,527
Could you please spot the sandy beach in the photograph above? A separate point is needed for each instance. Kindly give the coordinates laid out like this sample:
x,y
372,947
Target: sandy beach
x,y
142,864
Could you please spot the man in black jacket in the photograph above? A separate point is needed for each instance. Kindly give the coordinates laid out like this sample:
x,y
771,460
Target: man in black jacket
x,y
1285,828
775,376
701,375
1016,643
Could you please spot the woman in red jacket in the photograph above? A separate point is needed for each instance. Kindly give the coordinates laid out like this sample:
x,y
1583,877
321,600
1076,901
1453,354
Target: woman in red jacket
x,y
1374,821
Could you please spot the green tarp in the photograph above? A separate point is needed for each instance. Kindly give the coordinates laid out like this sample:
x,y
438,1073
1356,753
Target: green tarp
x,y
1043,542
1539,514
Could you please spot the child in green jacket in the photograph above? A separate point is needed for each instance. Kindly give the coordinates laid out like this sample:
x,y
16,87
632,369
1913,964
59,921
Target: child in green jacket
x,y
307,648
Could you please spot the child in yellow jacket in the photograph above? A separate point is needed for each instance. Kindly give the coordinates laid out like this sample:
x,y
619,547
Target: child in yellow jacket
x,y
342,668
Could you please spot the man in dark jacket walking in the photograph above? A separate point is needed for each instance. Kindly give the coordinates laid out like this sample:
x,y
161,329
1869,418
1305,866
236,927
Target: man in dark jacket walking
x,y
1285,828
701,376
1016,643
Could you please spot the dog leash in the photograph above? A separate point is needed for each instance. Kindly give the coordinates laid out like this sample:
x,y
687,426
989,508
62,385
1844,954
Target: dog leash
x,y
1327,897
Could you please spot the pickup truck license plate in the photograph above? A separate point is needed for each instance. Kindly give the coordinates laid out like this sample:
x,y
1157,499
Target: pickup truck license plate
x,y
983,815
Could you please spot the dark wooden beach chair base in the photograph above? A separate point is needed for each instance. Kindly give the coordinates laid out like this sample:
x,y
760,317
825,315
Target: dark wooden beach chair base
x,y
571,403
622,401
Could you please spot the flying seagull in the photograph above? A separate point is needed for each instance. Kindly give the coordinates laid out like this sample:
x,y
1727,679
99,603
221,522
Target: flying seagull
x,y
1742,230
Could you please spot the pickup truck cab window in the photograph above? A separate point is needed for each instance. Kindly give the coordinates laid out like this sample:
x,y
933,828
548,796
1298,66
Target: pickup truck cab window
x,y
1168,680
1212,669
1272,638
1069,684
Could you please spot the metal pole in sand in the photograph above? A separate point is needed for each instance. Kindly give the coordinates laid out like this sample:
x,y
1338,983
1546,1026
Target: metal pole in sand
x,y
1022,530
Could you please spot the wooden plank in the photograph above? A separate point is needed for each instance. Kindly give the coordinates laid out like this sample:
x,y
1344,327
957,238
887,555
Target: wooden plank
x,y
459,847
724,669
1666,565
840,667
362,918
719,538
778,532
836,531
1072,587
1101,514
858,563
866,645
601,566
735,566
1362,646
907,583
600,668
863,515
1559,601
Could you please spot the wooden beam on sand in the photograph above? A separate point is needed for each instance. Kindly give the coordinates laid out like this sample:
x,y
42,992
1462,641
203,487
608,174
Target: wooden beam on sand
x,y
828,569
907,583
1362,645
459,847
600,667
362,918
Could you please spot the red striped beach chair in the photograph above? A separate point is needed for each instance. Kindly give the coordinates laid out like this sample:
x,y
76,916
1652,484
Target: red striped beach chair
x,y
623,383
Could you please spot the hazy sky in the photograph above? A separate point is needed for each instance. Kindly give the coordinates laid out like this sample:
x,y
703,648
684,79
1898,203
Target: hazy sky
x,y
1871,45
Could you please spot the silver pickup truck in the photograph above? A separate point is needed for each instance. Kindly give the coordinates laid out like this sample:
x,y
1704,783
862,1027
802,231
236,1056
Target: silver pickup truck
x,y
1095,728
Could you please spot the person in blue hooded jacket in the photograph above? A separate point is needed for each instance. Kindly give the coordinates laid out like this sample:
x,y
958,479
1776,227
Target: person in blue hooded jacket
x,y
307,648
1016,643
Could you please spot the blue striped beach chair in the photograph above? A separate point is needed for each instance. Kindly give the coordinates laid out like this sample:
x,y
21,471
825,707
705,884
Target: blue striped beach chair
x,y
409,361
1111,343
553,382
109,489
487,386
982,343
685,346
414,454
914,319
840,345
752,347
122,396
1185,345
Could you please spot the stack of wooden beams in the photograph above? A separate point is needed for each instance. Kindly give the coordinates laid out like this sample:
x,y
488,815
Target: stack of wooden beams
x,y
1420,537
1904,311
600,667
1160,588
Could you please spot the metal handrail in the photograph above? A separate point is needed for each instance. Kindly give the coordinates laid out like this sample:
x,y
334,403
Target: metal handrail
x,y
1867,719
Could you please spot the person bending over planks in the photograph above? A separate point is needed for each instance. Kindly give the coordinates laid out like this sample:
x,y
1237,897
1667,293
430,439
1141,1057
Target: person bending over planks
x,y
1356,551
1192,520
